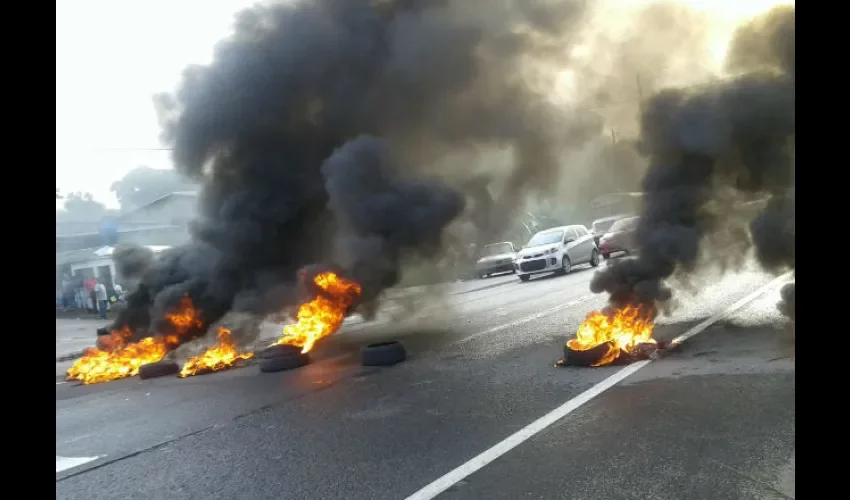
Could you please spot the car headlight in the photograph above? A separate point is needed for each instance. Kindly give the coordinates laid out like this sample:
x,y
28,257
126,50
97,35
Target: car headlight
x,y
551,250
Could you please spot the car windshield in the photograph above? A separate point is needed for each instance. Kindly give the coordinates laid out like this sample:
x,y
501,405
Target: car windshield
x,y
601,226
624,225
496,249
545,238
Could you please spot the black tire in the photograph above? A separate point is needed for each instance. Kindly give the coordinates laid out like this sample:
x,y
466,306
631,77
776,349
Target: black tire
x,y
278,351
566,266
282,363
606,256
103,343
383,354
524,277
158,369
103,331
594,258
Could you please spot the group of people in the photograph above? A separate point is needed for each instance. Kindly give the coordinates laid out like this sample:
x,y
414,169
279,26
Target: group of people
x,y
91,295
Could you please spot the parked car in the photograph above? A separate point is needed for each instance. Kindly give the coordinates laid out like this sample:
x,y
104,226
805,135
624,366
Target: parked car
x,y
557,250
601,226
619,238
496,258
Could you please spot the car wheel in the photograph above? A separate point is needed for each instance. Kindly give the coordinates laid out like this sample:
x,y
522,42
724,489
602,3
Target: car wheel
x,y
594,258
278,358
566,266
158,369
524,277
383,354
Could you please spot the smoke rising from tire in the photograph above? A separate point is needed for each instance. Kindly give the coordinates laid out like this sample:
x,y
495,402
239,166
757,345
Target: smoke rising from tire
x,y
736,133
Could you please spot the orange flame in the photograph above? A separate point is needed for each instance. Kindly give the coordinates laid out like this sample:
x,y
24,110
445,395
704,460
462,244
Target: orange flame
x,y
324,314
97,366
218,357
120,360
624,331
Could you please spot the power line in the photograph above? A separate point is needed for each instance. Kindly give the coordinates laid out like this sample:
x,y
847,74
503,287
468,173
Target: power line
x,y
118,150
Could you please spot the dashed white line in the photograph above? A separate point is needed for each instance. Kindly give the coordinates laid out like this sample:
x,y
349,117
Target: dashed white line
x,y
445,482
65,463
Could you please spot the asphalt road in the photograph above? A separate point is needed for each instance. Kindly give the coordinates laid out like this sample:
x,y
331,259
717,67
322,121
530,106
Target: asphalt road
x,y
715,419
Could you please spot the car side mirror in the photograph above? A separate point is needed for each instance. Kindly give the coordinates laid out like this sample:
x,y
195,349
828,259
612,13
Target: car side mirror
x,y
569,239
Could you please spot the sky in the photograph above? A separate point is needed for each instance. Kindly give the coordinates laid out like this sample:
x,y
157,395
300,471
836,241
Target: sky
x,y
113,56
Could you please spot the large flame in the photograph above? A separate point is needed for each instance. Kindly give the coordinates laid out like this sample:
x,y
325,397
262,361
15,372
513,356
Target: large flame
x,y
324,314
120,359
623,330
221,356
98,366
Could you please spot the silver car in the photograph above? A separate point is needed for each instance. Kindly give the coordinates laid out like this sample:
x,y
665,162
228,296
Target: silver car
x,y
557,250
496,258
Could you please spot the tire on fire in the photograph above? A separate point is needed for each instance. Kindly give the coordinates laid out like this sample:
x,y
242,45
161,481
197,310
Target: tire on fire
x,y
158,369
281,357
383,354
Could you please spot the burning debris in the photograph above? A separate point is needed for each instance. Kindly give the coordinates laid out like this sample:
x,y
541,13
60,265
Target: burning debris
x,y
605,337
122,358
122,361
323,315
317,135
221,356
736,135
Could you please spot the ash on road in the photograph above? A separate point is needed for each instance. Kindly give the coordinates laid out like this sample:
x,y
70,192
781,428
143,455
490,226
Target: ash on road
x,y
715,420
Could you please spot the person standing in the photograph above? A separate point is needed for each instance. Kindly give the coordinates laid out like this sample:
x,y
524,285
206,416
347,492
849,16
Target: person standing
x,y
102,299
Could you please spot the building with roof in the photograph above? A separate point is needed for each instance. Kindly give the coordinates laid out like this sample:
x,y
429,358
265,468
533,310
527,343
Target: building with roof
x,y
84,249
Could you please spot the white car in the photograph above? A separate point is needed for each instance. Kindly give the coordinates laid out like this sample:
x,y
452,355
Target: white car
x,y
557,250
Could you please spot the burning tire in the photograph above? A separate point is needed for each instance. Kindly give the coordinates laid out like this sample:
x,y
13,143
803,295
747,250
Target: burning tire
x,y
158,369
383,354
283,362
103,331
103,343
278,351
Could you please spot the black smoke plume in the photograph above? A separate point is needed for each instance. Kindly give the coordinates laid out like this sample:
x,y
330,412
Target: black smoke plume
x,y
312,134
734,133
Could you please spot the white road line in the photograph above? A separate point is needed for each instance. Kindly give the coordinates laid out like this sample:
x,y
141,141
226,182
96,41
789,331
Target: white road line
x,y
525,319
465,470
65,463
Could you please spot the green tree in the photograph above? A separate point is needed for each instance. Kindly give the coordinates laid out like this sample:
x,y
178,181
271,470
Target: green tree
x,y
145,184
81,207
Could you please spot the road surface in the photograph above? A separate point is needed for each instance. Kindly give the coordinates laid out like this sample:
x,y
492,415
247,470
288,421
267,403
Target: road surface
x,y
459,419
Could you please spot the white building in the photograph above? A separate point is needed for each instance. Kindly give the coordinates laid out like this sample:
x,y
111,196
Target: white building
x,y
82,251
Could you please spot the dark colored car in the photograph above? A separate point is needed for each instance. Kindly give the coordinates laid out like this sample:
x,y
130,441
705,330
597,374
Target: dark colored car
x,y
601,226
620,237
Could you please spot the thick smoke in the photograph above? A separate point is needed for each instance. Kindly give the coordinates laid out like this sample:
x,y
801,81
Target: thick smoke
x,y
131,261
734,133
314,130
